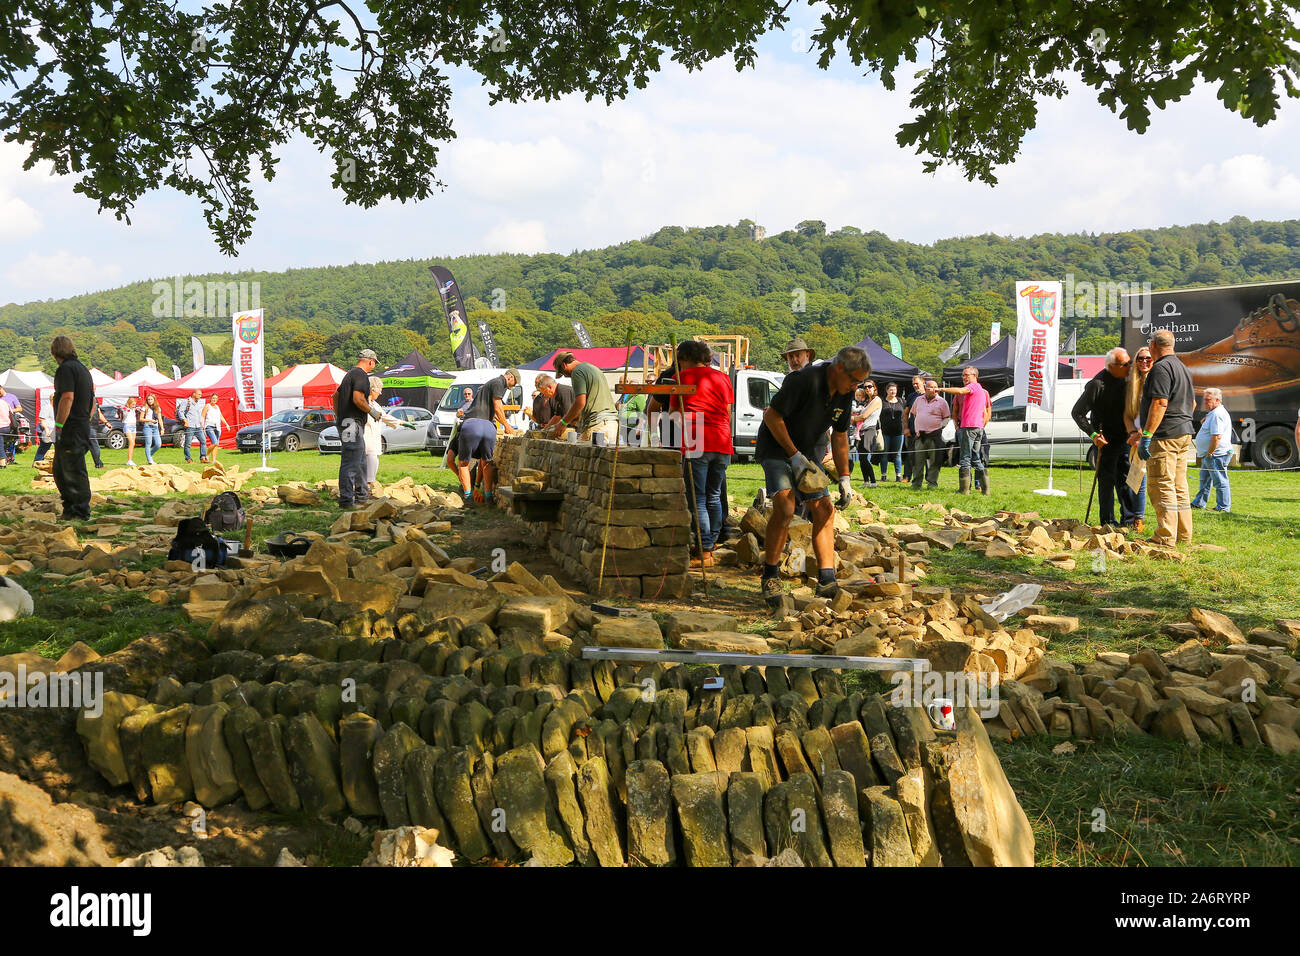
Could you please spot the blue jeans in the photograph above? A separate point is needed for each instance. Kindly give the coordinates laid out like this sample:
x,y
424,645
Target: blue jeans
x,y
214,435
1214,473
152,442
893,452
191,434
708,470
352,463
970,444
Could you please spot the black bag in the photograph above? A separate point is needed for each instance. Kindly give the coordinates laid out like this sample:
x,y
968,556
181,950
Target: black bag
x,y
225,513
194,539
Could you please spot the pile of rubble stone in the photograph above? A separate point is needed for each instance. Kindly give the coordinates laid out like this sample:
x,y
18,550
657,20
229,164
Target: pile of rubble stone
x,y
158,479
1219,686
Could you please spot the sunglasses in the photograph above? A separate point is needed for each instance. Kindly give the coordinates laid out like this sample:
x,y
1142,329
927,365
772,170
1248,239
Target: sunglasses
x,y
1145,358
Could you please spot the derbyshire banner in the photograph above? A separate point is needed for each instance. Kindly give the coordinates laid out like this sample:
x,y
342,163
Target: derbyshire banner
x,y
462,343
1038,336
247,362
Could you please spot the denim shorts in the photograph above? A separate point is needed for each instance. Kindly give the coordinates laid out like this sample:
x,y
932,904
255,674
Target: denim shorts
x,y
778,476
478,439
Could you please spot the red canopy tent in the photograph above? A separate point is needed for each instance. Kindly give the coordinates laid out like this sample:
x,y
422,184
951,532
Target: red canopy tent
x,y
210,380
304,386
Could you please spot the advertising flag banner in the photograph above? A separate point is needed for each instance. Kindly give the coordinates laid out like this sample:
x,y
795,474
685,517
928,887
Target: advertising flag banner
x,y
962,345
584,338
176,372
895,346
247,362
1038,334
462,343
995,333
489,343
196,349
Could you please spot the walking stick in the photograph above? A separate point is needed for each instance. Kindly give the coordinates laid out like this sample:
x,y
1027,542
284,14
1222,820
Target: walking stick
x,y
1095,471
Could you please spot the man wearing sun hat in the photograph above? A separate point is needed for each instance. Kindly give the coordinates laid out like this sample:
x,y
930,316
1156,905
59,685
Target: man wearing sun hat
x,y
797,354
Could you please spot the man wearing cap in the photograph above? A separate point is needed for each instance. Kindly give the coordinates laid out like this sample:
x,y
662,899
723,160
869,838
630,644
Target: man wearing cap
x,y
352,406
593,411
478,434
810,401
1168,401
797,354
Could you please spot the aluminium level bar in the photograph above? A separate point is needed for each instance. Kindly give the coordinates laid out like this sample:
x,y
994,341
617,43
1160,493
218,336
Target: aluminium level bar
x,y
914,664
634,388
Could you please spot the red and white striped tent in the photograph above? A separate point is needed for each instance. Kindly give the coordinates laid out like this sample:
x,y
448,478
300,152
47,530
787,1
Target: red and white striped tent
x,y
304,386
210,380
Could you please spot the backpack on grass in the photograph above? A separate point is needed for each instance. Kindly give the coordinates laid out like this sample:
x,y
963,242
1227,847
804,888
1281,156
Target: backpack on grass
x,y
225,513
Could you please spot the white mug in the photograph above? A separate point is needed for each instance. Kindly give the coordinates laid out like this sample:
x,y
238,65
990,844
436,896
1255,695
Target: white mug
x,y
941,712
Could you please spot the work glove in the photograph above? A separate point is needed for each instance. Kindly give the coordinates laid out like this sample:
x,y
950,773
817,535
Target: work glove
x,y
799,463
1144,448
375,413
846,491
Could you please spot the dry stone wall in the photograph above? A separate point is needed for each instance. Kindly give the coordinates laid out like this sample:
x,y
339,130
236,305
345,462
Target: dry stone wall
x,y
643,496
512,750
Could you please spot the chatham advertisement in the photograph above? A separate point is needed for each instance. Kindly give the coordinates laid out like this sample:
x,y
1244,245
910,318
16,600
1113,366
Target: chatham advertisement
x,y
1243,339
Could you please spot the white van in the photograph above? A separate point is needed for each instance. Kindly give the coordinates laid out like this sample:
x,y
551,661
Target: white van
x,y
444,416
1016,432
754,389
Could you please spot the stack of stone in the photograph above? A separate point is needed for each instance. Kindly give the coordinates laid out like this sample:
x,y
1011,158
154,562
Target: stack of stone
x,y
472,724
1220,686
642,497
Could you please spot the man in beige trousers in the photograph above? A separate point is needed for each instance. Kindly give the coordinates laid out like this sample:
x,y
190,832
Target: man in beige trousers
x,y
1168,400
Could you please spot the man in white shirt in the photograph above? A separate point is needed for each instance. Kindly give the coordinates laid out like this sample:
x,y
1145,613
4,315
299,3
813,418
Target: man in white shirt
x,y
1214,448
190,411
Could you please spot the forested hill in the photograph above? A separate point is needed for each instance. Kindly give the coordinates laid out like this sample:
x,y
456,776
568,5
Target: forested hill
x,y
830,287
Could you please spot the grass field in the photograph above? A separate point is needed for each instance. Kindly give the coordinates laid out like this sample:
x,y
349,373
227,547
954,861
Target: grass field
x,y
1160,804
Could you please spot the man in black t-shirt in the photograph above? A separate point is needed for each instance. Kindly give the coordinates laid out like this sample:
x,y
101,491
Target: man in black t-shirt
x,y
352,406
478,433
810,400
1168,401
74,396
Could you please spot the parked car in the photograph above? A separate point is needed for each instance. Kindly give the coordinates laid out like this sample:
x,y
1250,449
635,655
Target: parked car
x,y
112,436
290,430
391,438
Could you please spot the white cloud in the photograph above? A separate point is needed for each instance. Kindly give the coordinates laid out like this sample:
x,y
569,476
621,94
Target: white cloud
x,y
61,270
17,219
506,170
515,236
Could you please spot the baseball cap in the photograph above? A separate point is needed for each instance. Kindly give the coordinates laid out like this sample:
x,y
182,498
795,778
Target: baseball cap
x,y
368,354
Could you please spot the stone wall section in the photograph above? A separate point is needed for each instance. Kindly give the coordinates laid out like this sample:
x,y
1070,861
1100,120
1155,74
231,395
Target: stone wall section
x,y
648,550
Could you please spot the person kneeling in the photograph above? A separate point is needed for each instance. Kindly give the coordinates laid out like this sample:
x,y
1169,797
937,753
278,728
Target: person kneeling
x,y
810,400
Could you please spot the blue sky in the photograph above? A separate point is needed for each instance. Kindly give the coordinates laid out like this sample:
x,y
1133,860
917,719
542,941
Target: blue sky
x,y
779,143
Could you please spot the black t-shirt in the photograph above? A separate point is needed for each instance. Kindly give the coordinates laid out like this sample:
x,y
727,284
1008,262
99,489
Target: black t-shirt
x,y
357,380
74,377
891,417
544,409
1169,379
808,407
481,407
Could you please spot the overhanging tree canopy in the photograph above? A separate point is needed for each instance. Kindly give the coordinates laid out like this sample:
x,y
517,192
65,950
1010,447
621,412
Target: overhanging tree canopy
x,y
132,95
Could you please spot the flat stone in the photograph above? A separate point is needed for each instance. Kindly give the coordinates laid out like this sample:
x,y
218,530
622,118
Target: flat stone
x,y
603,812
313,766
1128,613
701,818
455,793
649,820
1174,722
560,777
358,734
889,844
265,741
726,641
910,792
1052,623
99,735
840,811
1283,741
163,754
1216,627
745,815
791,820
211,766
519,787
628,632
995,830
388,756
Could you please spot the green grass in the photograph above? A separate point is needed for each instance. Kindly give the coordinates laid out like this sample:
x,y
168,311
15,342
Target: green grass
x,y
1164,805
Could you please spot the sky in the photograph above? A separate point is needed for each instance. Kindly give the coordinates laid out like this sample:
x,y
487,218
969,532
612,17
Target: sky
x,y
778,144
